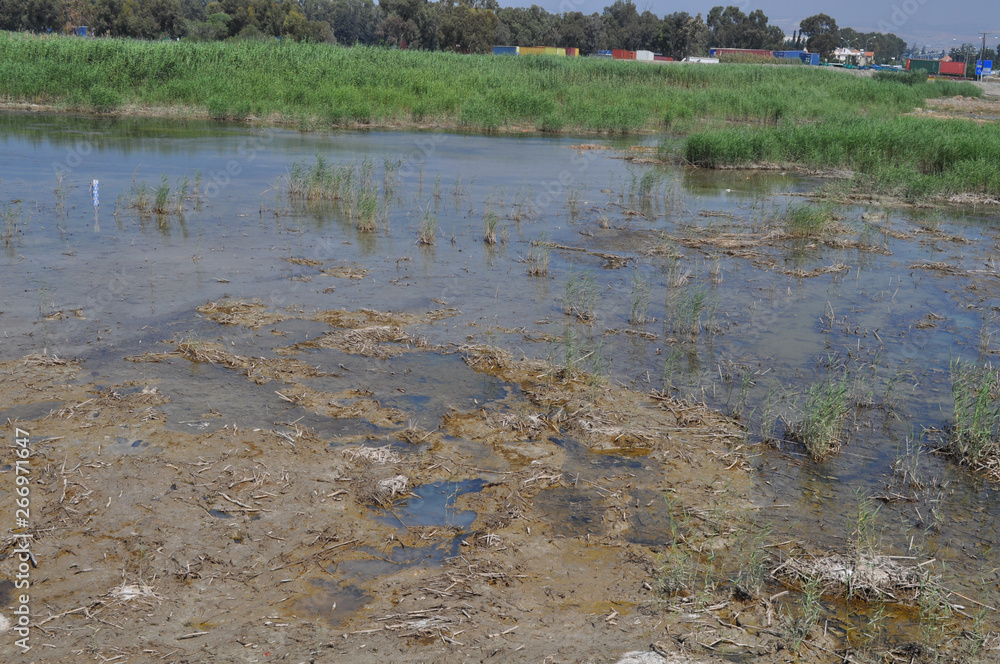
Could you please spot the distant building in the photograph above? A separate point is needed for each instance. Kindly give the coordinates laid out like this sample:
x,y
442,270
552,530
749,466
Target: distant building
x,y
852,56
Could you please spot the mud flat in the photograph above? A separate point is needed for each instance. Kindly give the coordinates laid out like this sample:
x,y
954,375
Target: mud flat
x,y
532,526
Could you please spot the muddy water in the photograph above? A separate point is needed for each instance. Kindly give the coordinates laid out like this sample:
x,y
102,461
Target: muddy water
x,y
102,283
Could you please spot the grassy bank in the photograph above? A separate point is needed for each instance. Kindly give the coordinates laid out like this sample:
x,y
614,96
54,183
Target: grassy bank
x,y
740,115
908,157
330,85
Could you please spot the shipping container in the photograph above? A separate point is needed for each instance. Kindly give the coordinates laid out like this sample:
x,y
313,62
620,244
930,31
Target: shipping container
x,y
506,50
804,56
573,52
645,56
716,52
532,50
928,66
952,68
662,58
606,54
621,54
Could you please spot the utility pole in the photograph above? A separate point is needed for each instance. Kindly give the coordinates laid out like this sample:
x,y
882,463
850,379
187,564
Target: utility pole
x,y
982,56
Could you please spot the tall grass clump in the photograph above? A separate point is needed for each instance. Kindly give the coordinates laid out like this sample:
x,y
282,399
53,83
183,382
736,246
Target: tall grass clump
x,y
428,229
491,222
974,438
808,220
161,196
827,404
639,300
581,295
902,77
538,257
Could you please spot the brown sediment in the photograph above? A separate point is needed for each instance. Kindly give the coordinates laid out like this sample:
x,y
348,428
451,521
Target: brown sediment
x,y
345,272
829,269
381,341
240,312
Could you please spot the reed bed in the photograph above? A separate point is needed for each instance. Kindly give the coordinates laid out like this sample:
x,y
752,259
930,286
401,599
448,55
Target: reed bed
x,y
904,156
332,85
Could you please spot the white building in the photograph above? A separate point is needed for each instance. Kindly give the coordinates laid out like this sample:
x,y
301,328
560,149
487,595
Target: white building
x,y
852,56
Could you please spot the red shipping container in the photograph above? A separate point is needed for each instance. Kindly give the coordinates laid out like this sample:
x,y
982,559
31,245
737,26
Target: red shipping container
x,y
621,54
662,58
953,68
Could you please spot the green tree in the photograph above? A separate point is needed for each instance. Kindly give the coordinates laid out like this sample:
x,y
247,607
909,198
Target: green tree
x,y
682,35
822,34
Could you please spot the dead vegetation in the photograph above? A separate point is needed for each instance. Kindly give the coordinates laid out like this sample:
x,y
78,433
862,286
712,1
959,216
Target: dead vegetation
x,y
238,312
603,416
378,341
866,576
260,370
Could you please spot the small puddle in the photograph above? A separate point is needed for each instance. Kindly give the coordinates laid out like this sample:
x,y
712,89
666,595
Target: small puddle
x,y
652,522
434,505
571,512
331,601
126,445
31,411
582,460
398,559
429,385
6,592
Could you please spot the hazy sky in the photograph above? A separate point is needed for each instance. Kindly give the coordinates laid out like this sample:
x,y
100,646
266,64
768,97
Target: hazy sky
x,y
930,22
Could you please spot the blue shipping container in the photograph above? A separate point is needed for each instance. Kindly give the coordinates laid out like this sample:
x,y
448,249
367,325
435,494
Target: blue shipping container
x,y
505,50
804,56
81,31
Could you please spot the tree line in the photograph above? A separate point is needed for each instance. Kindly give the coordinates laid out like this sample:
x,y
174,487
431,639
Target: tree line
x,y
467,26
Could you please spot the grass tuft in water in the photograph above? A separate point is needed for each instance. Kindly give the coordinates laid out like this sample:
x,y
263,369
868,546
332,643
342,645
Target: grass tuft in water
x,y
639,299
581,295
12,226
538,258
161,197
975,432
428,229
827,403
808,220
491,222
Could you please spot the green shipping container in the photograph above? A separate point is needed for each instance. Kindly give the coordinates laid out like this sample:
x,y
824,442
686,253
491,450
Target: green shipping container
x,y
929,66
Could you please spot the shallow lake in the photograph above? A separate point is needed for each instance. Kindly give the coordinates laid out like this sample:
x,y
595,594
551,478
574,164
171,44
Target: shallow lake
x,y
656,277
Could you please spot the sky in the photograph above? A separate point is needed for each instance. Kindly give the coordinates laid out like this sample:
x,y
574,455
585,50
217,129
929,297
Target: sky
x,y
931,23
